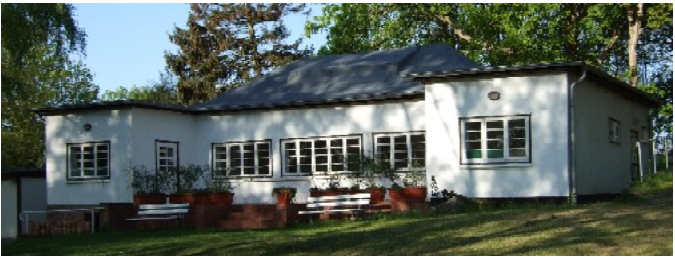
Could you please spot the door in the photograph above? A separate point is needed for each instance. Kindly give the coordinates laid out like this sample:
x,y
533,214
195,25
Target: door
x,y
634,156
166,153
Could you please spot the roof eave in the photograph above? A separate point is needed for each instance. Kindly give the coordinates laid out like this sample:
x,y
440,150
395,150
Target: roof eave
x,y
569,66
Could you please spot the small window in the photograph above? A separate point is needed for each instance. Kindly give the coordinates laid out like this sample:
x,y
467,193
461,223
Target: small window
x,y
614,131
323,155
495,140
240,159
403,151
88,160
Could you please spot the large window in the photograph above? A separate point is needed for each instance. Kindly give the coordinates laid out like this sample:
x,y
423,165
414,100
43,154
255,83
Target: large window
x,y
237,159
322,155
403,151
495,140
88,160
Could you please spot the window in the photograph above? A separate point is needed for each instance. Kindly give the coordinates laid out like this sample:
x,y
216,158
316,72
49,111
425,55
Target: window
x,y
404,151
88,160
495,140
614,131
167,156
236,159
305,156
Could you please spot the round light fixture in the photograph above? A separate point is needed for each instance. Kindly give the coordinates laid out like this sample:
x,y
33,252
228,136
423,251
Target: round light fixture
x,y
493,95
87,127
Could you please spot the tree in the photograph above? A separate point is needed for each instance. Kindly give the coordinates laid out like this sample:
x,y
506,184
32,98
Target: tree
x,y
609,36
226,45
162,91
37,71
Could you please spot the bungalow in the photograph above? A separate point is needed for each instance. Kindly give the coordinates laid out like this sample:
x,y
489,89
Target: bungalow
x,y
540,130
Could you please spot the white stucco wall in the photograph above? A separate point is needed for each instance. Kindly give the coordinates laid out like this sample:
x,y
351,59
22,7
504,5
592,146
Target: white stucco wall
x,y
133,134
300,123
108,125
543,96
9,212
603,167
152,125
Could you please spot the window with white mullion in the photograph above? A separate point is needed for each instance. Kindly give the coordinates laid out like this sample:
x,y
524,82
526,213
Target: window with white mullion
x,y
403,151
88,160
495,140
323,155
241,159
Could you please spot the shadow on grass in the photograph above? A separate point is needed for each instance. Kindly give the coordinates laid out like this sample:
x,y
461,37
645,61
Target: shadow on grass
x,y
640,227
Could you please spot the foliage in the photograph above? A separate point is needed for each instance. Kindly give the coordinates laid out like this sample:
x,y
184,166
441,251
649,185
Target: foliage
x,y
215,185
186,178
29,26
291,191
508,34
226,45
143,181
38,41
162,91
368,168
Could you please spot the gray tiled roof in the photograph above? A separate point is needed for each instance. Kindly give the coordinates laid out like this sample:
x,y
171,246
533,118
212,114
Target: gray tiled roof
x,y
342,77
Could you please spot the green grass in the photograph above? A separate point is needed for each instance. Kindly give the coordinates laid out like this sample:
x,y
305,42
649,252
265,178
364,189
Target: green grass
x,y
636,226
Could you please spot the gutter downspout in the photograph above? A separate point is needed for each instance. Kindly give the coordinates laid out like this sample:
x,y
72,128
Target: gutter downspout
x,y
571,138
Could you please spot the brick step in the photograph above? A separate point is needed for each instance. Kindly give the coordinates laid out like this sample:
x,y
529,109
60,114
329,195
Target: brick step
x,y
247,224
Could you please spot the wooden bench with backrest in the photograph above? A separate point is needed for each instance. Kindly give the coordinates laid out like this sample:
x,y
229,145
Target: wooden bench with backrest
x,y
161,212
343,204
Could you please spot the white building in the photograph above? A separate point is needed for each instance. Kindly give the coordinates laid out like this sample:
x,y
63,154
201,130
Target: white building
x,y
541,130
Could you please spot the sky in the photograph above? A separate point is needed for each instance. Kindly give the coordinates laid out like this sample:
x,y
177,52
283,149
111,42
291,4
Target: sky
x,y
126,42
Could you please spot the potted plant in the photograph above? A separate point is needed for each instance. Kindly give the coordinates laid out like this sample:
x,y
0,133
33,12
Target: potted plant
x,y
220,193
284,194
369,169
413,187
145,185
185,182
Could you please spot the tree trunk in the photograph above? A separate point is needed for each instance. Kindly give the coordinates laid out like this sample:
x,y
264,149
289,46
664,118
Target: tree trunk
x,y
635,17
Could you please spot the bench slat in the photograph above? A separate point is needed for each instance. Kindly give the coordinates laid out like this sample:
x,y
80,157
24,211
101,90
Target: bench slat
x,y
163,212
163,206
328,211
335,204
156,218
338,197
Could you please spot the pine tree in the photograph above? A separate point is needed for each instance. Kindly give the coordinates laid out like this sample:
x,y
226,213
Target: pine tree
x,y
226,45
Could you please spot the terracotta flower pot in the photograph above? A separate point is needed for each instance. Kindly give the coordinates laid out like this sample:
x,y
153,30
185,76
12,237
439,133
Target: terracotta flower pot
x,y
149,199
415,193
182,198
221,198
396,194
284,198
377,195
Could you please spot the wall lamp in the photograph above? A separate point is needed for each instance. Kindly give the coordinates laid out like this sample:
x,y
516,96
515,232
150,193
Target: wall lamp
x,y
493,95
87,127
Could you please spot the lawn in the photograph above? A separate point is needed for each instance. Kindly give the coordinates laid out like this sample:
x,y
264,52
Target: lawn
x,y
640,223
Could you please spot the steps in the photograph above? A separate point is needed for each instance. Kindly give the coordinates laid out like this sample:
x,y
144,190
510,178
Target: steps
x,y
260,216
265,216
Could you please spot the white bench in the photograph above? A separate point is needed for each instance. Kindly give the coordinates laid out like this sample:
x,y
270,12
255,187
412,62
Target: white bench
x,y
346,203
162,211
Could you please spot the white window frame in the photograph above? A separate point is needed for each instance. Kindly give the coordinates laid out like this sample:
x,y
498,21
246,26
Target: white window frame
x,y
392,151
170,162
313,155
506,159
227,161
96,153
